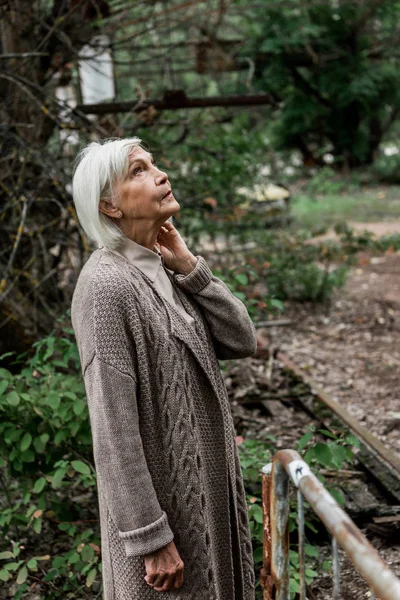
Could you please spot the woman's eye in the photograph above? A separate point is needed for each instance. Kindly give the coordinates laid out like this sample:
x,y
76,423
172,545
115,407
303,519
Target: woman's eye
x,y
136,170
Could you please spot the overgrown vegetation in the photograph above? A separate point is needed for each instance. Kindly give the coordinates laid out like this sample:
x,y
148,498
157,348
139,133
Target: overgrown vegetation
x,y
48,515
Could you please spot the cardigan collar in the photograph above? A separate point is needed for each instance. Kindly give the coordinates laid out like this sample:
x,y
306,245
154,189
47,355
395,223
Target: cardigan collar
x,y
148,261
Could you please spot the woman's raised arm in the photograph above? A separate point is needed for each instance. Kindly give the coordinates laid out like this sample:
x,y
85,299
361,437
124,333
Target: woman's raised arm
x,y
232,330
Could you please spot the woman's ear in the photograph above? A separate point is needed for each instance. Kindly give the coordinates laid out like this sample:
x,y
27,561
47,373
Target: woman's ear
x,y
109,209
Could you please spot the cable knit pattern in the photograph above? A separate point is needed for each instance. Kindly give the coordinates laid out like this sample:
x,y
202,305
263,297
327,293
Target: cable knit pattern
x,y
163,436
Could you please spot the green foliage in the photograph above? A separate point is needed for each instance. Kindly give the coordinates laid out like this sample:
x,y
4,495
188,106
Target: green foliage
x,y
240,280
295,270
387,168
331,455
325,182
45,458
330,69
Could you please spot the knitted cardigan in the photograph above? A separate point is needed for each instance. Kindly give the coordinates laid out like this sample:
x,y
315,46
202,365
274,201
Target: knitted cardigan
x,y
163,435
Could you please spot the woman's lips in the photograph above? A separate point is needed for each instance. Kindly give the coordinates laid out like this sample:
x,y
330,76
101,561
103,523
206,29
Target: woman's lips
x,y
167,195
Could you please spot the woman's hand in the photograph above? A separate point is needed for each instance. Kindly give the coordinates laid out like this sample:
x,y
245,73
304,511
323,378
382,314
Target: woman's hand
x,y
177,255
164,569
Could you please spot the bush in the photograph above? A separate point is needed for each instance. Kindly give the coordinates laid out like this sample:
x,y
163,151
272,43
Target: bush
x,y
295,270
387,168
47,474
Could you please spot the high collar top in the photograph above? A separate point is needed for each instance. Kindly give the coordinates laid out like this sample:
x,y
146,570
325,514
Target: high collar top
x,y
151,263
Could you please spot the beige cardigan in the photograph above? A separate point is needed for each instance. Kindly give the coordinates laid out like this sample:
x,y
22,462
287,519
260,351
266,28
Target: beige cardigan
x,y
163,437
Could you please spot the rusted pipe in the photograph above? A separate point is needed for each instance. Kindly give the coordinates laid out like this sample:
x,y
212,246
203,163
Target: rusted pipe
x,y
265,574
279,531
367,561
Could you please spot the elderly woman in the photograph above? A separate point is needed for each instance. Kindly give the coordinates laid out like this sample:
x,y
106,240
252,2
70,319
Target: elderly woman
x,y
151,321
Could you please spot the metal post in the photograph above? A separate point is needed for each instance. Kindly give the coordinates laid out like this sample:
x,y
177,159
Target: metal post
x,y
367,561
336,570
280,531
265,575
302,561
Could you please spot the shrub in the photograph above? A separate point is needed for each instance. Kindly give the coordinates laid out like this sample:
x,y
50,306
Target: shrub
x,y
47,472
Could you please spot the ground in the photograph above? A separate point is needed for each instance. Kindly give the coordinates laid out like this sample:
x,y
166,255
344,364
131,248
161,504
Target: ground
x,y
352,346
352,349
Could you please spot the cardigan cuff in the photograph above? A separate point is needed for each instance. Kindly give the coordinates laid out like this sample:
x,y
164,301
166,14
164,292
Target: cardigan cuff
x,y
197,279
147,539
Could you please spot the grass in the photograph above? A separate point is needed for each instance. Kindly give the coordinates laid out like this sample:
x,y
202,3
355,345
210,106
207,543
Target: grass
x,y
373,204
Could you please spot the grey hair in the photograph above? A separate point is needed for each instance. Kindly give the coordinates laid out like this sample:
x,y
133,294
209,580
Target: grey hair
x,y
96,169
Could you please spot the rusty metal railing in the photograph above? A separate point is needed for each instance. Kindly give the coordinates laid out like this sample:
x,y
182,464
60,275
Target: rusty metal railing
x,y
287,465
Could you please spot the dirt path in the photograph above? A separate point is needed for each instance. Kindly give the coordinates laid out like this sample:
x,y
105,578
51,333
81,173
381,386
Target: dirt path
x,y
352,347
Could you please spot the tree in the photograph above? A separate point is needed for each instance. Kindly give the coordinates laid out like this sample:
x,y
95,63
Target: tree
x,y
334,68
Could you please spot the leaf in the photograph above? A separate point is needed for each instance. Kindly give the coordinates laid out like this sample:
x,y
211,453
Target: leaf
x,y
311,573
60,436
12,398
256,511
277,304
294,586
73,558
3,386
4,575
53,400
337,495
6,554
32,564
311,550
6,374
79,407
328,434
25,441
22,575
28,456
339,454
91,576
39,485
242,279
87,553
57,478
353,440
310,526
12,566
37,525
322,454
80,467
304,440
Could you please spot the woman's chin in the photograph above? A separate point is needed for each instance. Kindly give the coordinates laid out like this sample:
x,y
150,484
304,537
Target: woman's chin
x,y
173,206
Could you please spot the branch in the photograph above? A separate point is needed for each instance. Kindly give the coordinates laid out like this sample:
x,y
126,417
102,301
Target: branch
x,y
3,282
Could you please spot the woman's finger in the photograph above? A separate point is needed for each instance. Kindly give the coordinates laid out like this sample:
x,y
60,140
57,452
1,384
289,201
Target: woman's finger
x,y
160,580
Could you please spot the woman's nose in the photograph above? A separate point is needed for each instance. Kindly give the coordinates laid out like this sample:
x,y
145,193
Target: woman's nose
x,y
161,177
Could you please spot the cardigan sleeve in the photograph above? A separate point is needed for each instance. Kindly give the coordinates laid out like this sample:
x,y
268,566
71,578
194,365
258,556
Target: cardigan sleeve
x,y
120,462
232,330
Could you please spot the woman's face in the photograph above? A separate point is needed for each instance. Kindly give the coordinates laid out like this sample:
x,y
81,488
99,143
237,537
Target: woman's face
x,y
142,194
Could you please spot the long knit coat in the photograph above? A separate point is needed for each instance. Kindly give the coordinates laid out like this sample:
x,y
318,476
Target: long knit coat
x,y
163,435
